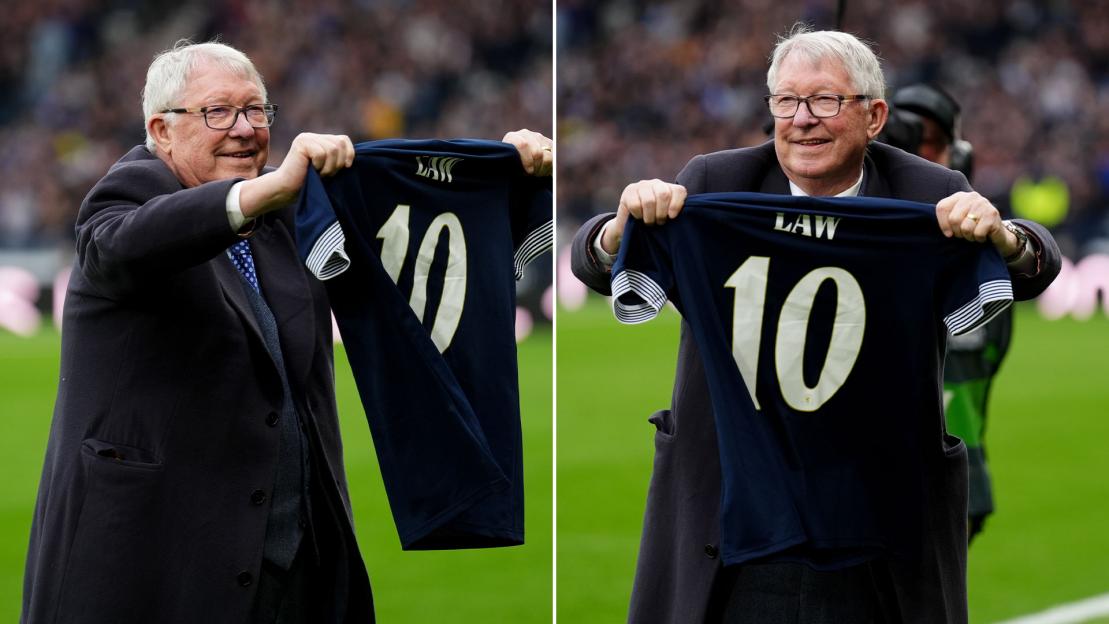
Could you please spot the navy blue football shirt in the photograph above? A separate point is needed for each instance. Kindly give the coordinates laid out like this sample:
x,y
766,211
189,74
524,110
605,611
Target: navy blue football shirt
x,y
822,327
421,243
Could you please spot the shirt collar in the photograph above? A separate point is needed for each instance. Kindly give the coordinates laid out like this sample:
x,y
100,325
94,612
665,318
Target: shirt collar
x,y
853,191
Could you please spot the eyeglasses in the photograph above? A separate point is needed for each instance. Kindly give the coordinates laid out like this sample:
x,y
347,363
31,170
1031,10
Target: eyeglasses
x,y
821,105
224,116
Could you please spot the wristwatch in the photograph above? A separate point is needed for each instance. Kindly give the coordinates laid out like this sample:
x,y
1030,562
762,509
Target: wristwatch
x,y
1022,239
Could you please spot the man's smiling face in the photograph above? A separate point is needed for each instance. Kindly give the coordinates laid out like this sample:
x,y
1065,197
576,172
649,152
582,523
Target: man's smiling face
x,y
823,155
198,154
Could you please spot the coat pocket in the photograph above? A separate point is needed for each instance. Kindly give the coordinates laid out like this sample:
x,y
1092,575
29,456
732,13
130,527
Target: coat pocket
x,y
119,454
113,571
663,421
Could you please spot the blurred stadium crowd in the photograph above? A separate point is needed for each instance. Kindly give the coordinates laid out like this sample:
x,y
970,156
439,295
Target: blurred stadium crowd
x,y
644,86
72,71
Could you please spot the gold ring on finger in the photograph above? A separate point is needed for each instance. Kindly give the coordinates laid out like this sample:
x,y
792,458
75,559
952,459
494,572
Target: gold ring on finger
x,y
547,148
973,217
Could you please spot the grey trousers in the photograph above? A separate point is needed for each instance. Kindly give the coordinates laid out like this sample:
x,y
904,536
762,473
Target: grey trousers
x,y
292,596
316,588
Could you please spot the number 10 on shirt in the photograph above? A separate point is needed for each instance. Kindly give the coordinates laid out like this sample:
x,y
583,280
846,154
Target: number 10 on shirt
x,y
750,284
394,235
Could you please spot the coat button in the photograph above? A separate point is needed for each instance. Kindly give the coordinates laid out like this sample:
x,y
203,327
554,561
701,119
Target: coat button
x,y
711,551
271,419
245,578
258,497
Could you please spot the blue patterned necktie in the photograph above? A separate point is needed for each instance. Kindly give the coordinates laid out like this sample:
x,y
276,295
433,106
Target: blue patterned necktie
x,y
244,262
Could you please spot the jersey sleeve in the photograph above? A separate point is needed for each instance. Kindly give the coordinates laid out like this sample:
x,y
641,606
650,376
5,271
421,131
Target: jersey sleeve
x,y
320,239
532,224
642,275
979,288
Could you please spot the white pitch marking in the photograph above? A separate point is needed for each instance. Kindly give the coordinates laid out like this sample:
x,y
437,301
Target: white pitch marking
x,y
1070,613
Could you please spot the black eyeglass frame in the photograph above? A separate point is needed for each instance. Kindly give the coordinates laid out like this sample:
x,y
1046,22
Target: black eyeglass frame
x,y
840,99
269,109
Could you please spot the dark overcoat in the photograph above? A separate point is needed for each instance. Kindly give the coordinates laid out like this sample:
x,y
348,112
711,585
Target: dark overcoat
x,y
154,495
678,551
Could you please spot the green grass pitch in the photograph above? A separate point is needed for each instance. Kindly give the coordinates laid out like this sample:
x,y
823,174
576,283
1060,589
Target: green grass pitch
x,y
493,585
1048,442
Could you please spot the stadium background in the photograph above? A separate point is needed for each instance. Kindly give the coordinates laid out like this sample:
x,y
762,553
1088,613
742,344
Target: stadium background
x,y
643,86
71,74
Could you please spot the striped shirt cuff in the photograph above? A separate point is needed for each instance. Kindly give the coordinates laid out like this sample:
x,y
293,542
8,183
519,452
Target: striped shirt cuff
x,y
540,240
993,297
328,257
636,298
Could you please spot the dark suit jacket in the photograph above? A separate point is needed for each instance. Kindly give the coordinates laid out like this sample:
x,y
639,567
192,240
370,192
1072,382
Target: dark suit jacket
x,y
678,551
163,427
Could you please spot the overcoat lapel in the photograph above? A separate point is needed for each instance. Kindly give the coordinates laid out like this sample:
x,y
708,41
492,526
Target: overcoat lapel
x,y
285,287
874,185
775,182
233,284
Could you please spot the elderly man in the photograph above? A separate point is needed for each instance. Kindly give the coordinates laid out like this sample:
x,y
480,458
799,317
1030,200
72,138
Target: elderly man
x,y
826,92
194,470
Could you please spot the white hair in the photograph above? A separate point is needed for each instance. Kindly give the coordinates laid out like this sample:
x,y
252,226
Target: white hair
x,y
168,75
860,62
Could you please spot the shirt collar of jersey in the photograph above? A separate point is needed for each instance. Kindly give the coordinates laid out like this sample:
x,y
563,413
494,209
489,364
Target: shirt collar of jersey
x,y
853,191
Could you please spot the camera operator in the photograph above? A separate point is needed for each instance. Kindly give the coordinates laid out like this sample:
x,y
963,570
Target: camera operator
x,y
924,120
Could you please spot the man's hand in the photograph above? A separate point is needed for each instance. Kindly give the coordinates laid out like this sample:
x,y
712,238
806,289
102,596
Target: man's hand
x,y
974,218
327,153
650,201
536,151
